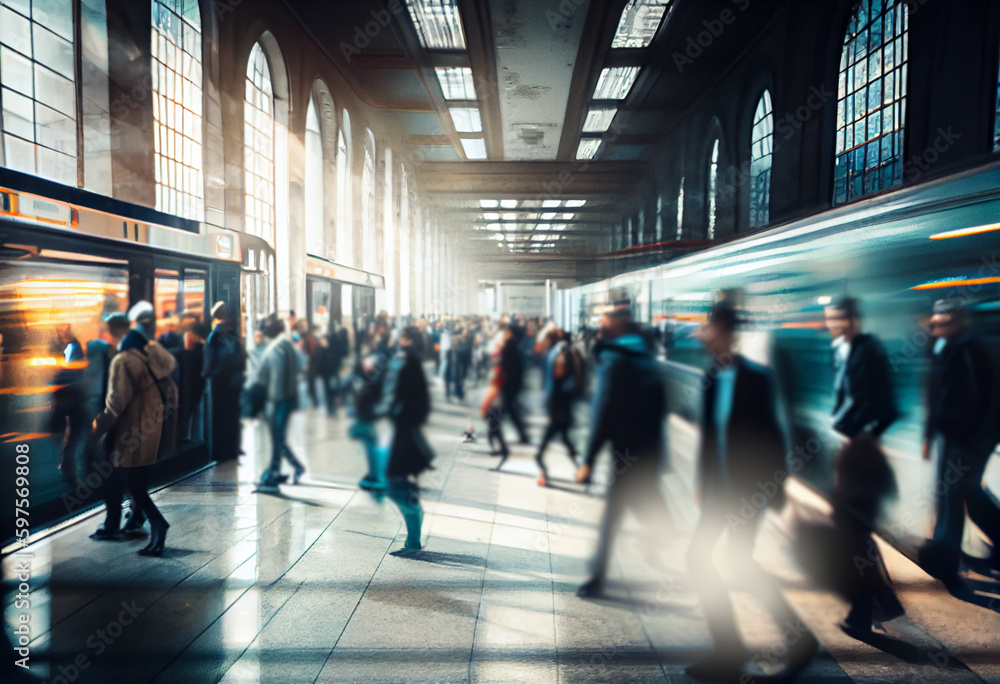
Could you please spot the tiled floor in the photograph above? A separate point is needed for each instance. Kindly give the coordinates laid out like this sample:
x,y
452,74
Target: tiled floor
x,y
302,586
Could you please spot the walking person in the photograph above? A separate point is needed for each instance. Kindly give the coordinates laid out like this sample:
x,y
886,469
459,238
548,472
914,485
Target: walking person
x,y
629,407
407,403
334,353
141,398
491,409
863,410
278,372
512,361
742,451
374,357
224,365
959,438
563,369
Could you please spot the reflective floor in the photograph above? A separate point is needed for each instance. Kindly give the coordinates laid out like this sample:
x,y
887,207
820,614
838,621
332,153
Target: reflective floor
x,y
303,586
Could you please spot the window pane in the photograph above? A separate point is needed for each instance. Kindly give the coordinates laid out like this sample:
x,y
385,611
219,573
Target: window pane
x,y
53,52
18,114
639,22
56,15
15,72
15,31
55,91
55,130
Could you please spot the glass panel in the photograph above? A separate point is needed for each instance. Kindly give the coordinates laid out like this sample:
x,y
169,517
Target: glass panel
x,y
56,15
456,83
474,148
54,52
15,31
599,119
639,22
588,148
615,83
438,24
15,72
18,114
55,130
259,153
467,119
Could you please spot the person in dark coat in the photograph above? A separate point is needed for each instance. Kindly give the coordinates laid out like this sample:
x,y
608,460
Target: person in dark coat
x,y
864,409
512,363
224,366
629,407
741,472
375,357
562,367
959,438
407,403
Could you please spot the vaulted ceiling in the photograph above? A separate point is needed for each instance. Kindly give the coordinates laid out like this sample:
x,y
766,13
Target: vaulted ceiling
x,y
533,102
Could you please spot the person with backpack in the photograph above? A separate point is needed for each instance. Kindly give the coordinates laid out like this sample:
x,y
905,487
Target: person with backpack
x,y
406,402
223,365
563,374
138,421
278,373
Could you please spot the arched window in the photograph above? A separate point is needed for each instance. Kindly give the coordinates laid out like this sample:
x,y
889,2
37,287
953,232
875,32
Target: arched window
x,y
345,198
38,94
368,227
315,243
259,146
761,147
871,106
712,191
177,103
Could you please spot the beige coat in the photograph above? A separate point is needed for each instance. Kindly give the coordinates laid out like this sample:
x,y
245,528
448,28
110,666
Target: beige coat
x,y
134,412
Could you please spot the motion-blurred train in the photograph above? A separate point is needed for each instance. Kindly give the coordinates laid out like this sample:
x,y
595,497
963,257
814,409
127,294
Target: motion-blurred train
x,y
897,253
68,258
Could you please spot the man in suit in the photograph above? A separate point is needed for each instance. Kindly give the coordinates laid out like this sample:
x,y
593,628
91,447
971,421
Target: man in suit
x,y
864,408
741,472
959,438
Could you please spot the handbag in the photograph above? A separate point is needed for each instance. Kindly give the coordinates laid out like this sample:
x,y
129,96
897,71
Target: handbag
x,y
252,400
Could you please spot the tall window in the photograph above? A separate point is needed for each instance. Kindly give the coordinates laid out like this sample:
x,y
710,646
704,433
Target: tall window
x,y
38,94
996,119
712,191
177,102
404,243
761,147
368,240
345,198
871,106
258,143
315,243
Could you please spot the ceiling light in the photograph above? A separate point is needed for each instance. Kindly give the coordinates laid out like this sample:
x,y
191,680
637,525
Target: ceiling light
x,y
540,238
543,226
551,204
489,204
614,83
587,148
599,119
475,148
568,217
508,204
456,83
491,216
438,24
639,23
549,216
574,204
467,119
510,216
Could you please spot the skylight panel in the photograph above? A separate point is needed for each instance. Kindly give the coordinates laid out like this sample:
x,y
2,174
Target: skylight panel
x,y
575,204
489,203
599,119
639,23
456,83
438,24
615,82
508,204
551,204
475,148
587,148
467,119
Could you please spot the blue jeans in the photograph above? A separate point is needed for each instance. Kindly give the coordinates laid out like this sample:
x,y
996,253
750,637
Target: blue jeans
x,y
278,415
405,494
376,455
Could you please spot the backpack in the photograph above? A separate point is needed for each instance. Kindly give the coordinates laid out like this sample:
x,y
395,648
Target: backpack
x,y
574,382
229,355
170,401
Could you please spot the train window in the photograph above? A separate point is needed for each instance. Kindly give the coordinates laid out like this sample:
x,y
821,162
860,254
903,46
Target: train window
x,y
38,98
194,293
166,297
871,107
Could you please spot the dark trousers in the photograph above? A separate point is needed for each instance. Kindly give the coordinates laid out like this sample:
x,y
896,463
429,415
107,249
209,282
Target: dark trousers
x,y
455,377
555,427
226,430
868,583
494,431
712,589
114,490
959,486
277,420
512,408
138,487
332,385
634,488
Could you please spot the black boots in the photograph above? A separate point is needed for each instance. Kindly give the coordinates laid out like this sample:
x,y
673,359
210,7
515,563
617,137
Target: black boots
x,y
156,541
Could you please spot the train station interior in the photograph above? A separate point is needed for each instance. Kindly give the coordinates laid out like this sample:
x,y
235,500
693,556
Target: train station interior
x,y
499,341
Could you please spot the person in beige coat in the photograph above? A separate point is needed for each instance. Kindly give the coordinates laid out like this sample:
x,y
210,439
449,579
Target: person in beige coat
x,y
134,417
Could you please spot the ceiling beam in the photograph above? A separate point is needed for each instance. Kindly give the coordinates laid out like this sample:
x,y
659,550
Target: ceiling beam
x,y
540,180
